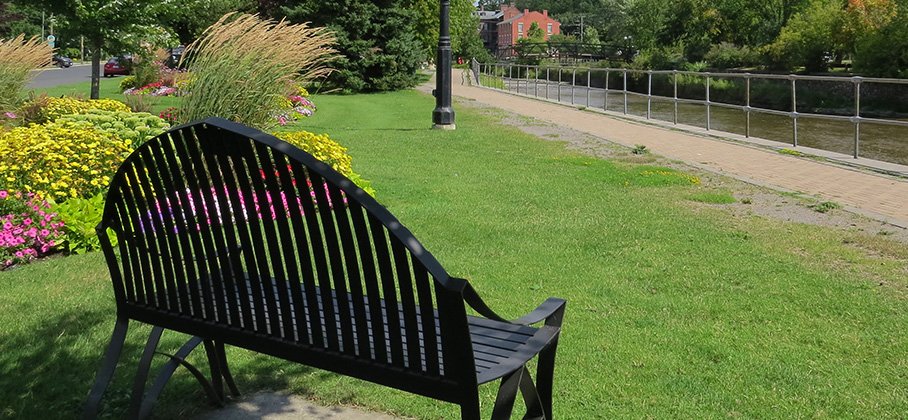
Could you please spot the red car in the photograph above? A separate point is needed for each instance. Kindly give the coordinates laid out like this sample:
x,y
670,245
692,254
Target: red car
x,y
118,65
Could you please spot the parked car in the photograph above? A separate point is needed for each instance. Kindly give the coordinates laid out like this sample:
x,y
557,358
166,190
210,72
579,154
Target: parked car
x,y
61,61
118,65
173,60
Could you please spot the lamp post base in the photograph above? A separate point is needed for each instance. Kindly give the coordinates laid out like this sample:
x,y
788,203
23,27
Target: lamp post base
x,y
443,126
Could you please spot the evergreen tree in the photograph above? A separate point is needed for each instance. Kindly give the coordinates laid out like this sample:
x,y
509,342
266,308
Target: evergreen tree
x,y
465,41
377,42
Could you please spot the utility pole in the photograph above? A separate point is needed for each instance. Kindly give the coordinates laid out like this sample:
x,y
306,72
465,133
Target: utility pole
x,y
581,29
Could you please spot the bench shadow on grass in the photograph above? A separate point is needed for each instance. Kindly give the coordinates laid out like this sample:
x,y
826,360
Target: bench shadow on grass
x,y
48,371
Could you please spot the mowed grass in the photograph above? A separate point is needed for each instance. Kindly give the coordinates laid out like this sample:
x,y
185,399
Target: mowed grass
x,y
108,88
672,311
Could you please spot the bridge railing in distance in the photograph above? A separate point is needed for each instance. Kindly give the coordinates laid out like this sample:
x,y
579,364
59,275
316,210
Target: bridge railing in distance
x,y
549,82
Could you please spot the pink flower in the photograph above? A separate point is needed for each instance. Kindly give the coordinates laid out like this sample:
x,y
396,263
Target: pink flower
x,y
9,115
3,194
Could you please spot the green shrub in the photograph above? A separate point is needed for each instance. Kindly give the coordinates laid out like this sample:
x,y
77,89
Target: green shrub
x,y
327,151
145,71
80,216
134,127
46,109
825,207
59,160
128,82
661,58
727,56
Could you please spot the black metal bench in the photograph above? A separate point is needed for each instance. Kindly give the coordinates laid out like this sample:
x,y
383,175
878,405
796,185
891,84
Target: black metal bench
x,y
234,237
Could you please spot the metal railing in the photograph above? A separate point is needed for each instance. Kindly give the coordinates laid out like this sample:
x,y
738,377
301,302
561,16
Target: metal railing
x,y
513,72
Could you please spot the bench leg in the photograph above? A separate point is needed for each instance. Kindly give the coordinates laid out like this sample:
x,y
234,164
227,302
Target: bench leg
x,y
531,397
220,372
507,393
225,370
108,366
142,402
545,372
214,364
469,410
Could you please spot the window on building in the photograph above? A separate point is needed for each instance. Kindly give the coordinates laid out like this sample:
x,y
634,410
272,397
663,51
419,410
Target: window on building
x,y
519,29
549,28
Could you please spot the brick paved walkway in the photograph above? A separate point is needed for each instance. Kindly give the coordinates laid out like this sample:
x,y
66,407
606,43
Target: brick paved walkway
x,y
877,196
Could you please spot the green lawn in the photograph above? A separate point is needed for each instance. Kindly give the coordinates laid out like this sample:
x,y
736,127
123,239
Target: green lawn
x,y
109,88
675,308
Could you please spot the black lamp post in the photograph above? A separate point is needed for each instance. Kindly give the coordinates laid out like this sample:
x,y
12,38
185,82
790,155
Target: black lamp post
x,y
443,115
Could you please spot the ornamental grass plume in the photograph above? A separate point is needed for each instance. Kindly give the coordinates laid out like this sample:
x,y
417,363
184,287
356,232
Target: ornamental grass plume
x,y
242,64
18,58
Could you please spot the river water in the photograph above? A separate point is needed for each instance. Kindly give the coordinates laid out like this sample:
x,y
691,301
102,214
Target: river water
x,y
882,142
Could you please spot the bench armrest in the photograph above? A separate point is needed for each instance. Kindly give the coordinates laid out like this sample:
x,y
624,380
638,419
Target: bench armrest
x,y
472,298
551,311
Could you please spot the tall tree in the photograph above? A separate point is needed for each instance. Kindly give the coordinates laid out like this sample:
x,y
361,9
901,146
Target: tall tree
x,y
810,37
106,24
465,41
192,16
18,19
376,39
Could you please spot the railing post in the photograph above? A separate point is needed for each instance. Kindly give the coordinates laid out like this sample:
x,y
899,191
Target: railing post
x,y
794,112
536,82
589,73
510,76
528,81
857,116
747,105
605,105
573,83
675,99
708,110
625,92
559,84
649,93
548,79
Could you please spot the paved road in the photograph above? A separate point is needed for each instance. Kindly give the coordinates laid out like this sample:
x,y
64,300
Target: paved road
x,y
54,76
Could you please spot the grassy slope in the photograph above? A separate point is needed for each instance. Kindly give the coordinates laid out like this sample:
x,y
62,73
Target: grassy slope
x,y
672,312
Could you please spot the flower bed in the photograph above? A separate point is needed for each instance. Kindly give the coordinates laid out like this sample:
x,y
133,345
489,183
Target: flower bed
x,y
66,149
153,89
28,230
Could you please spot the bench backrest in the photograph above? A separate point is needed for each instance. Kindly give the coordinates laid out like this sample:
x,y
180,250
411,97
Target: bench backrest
x,y
197,209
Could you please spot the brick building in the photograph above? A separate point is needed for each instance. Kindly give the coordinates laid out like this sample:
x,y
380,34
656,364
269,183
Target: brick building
x,y
502,28
515,24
